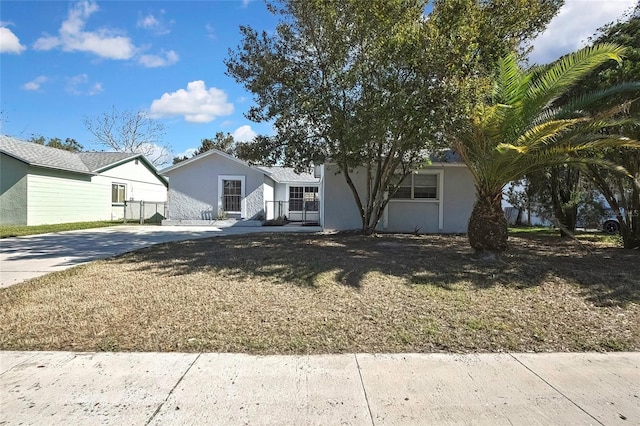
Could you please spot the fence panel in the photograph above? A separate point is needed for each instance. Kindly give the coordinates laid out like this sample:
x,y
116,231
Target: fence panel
x,y
306,212
145,211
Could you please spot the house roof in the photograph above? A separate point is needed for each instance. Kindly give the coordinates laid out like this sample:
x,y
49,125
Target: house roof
x,y
278,174
89,163
288,174
446,156
97,161
42,156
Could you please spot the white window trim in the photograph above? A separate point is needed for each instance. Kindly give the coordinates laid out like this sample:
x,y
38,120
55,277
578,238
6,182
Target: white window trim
x,y
126,190
288,193
438,199
439,173
242,180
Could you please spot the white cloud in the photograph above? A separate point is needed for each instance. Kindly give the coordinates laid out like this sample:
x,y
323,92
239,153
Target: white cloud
x,y
149,22
9,42
197,104
155,61
211,32
576,22
244,134
158,155
80,85
155,24
35,84
187,153
72,37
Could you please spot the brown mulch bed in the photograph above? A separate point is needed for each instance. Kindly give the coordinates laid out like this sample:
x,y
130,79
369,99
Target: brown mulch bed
x,y
303,293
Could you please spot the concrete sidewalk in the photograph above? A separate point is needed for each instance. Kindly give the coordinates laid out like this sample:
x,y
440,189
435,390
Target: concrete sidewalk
x,y
28,257
359,389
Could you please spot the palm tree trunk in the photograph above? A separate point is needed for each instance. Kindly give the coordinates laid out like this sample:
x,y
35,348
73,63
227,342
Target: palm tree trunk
x,y
487,225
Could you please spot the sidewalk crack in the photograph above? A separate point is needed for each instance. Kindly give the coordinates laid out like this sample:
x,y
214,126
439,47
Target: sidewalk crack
x,y
555,389
366,397
155,413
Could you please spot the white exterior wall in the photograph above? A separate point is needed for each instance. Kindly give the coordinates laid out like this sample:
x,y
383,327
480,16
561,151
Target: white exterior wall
x,y
59,197
269,198
141,185
459,196
193,188
448,214
340,209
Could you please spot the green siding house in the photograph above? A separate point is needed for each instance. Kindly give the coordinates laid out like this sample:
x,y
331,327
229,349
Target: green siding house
x,y
43,185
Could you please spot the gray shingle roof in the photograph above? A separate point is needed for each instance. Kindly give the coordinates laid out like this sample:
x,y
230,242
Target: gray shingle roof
x,y
288,174
53,158
43,156
98,160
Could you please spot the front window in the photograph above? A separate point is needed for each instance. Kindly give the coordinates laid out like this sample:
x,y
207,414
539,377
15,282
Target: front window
x,y
417,186
304,198
118,193
231,195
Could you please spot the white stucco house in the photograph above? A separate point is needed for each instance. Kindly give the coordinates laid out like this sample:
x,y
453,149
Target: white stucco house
x,y
216,185
436,199
44,185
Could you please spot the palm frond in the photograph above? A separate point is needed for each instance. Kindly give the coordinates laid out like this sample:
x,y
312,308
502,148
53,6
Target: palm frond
x,y
567,72
593,98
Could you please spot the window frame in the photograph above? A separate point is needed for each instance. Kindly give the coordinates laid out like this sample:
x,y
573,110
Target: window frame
x,y
303,191
124,193
412,198
221,179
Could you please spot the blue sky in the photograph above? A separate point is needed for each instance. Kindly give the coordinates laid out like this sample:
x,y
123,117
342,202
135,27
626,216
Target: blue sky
x,y
63,60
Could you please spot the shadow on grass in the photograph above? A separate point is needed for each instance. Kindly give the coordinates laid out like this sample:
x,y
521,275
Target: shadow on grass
x,y
608,276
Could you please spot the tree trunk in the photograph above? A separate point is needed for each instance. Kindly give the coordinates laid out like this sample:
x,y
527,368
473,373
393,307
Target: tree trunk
x,y
487,225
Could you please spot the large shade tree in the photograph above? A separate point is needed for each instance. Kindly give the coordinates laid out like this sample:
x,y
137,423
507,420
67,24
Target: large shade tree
x,y
373,85
522,128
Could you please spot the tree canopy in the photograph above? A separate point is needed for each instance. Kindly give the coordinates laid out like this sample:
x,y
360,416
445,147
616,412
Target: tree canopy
x,y
374,85
68,144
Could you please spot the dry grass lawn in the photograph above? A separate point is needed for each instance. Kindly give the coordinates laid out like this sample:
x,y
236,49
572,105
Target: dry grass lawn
x,y
286,293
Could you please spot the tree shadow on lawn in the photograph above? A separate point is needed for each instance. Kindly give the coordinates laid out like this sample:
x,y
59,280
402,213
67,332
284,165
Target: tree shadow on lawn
x,y
608,276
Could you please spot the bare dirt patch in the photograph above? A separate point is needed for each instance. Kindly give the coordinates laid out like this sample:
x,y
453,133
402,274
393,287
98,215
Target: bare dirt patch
x,y
307,293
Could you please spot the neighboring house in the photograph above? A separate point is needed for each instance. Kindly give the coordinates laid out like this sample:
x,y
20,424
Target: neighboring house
x,y
435,199
44,185
215,185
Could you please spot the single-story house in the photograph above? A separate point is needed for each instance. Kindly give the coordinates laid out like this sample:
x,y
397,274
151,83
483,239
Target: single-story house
x,y
44,185
435,199
216,185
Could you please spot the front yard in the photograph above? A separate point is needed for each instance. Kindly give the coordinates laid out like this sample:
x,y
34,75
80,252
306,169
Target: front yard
x,y
285,293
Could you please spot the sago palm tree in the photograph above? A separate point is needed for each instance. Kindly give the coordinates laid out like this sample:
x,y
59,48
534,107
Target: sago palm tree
x,y
523,128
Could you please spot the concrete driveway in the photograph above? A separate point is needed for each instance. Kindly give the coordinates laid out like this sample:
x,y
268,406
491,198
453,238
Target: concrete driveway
x,y
28,257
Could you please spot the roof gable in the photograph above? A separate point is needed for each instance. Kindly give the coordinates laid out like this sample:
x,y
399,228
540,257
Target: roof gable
x,y
200,157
